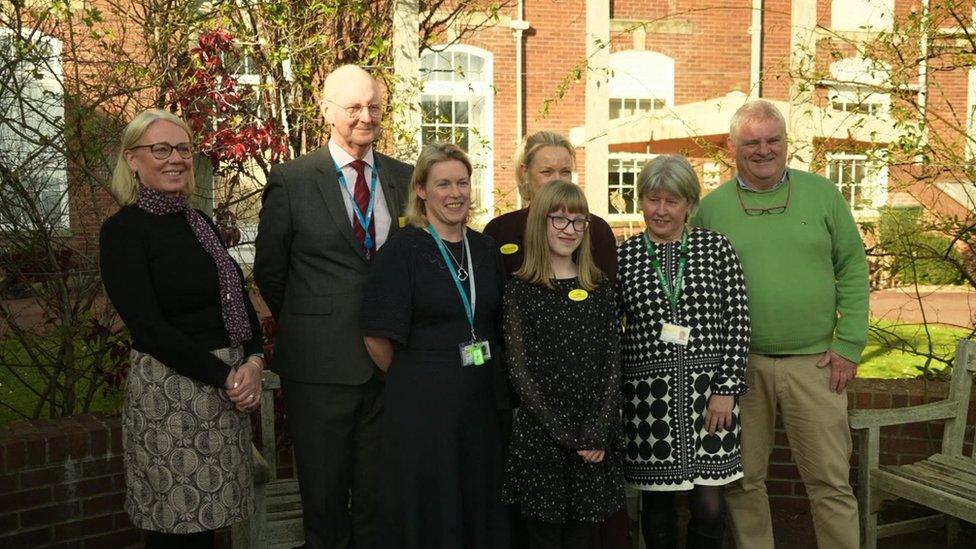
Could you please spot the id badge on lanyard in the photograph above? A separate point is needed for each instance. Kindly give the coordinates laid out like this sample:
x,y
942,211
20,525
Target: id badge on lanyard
x,y
476,351
671,333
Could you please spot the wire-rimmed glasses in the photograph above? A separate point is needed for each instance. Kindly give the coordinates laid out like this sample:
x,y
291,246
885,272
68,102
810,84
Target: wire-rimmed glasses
x,y
375,110
775,210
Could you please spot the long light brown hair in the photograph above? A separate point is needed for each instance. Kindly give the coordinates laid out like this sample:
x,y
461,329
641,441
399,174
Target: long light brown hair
x,y
536,266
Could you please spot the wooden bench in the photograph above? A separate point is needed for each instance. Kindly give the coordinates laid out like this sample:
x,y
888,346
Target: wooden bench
x,y
944,482
277,521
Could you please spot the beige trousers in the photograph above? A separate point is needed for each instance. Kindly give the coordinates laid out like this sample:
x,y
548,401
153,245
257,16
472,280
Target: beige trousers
x,y
816,424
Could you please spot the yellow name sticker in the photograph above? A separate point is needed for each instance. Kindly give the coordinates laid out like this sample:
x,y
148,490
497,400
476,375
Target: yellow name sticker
x,y
509,249
579,294
403,221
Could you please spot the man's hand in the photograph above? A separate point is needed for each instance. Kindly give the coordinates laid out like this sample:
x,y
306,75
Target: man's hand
x,y
842,371
718,417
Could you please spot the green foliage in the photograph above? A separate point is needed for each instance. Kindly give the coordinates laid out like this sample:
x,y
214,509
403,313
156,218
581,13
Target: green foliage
x,y
918,256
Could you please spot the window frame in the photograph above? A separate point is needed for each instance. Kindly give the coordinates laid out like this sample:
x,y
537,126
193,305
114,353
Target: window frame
x,y
874,179
639,160
50,108
855,81
862,15
479,95
629,80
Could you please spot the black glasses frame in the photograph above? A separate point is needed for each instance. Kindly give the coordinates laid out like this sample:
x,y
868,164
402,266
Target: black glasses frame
x,y
162,150
775,210
560,223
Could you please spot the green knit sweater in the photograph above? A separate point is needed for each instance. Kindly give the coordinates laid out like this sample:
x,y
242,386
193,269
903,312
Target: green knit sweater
x,y
805,269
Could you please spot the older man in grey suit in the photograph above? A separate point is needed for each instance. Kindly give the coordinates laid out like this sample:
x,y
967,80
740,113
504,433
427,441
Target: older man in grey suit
x,y
323,217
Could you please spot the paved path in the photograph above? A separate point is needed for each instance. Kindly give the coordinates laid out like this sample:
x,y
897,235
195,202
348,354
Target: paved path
x,y
954,306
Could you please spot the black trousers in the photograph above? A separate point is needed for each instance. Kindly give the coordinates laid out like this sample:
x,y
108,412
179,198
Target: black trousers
x,y
335,431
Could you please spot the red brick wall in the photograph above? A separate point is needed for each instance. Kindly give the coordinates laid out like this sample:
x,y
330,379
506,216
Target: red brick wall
x,y
61,484
711,60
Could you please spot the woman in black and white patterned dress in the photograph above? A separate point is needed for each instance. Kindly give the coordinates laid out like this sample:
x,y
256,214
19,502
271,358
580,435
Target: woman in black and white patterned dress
x,y
683,349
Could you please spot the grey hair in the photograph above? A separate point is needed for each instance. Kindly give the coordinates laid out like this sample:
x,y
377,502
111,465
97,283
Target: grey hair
x,y
671,173
759,109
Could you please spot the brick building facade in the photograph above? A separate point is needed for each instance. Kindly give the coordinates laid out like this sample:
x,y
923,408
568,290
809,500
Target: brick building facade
x,y
672,72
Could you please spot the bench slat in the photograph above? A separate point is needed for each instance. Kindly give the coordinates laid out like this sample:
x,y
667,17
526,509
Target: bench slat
x,y
925,476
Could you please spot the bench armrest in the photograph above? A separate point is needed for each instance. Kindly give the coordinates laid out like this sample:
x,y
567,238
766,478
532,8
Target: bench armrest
x,y
863,419
259,467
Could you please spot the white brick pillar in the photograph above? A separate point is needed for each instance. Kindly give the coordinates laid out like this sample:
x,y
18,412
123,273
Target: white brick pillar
x,y
597,104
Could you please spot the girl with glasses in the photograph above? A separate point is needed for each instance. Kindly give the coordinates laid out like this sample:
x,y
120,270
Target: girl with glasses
x,y
560,327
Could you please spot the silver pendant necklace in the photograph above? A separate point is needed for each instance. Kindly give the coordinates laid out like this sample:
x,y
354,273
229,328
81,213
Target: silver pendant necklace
x,y
462,273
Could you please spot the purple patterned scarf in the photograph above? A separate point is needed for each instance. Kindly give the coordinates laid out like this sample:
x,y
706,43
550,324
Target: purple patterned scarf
x,y
231,286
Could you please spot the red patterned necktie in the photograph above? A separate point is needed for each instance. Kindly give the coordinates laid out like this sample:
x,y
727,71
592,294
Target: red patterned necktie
x,y
361,197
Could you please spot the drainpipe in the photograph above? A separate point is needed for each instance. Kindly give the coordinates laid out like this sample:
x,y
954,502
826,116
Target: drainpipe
x,y
755,65
923,72
519,26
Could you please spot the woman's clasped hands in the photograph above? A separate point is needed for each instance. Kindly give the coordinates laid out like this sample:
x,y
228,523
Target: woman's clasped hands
x,y
243,385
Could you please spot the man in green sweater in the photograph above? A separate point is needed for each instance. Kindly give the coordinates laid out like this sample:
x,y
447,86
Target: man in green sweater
x,y
807,282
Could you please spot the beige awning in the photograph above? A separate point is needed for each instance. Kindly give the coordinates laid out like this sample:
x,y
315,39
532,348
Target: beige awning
x,y
687,126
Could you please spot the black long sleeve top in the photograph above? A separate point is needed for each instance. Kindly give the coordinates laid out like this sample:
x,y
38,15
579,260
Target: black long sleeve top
x,y
165,287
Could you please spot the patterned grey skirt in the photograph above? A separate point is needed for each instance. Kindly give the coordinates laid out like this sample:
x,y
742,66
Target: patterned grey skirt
x,y
187,450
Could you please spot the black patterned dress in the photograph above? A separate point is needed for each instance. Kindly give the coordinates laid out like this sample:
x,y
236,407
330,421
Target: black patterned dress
x,y
564,364
666,385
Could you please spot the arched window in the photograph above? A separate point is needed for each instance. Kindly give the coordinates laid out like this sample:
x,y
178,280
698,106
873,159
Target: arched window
x,y
456,106
856,84
32,163
640,82
862,15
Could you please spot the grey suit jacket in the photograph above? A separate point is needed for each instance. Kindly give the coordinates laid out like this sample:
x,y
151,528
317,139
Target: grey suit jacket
x,y
311,269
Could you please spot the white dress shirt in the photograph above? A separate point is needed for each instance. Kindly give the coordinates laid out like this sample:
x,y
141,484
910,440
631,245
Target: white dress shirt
x,y
381,214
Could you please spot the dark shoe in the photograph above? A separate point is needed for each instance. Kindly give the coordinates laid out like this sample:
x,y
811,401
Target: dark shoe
x,y
660,540
699,541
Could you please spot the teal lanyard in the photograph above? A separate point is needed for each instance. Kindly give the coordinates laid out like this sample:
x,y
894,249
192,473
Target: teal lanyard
x,y
469,304
672,291
364,218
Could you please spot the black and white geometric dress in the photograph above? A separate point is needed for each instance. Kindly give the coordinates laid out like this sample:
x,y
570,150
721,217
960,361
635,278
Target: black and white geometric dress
x,y
666,385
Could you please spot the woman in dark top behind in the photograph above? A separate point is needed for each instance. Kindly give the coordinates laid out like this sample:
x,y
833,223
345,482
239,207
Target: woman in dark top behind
x,y
196,344
544,157
429,315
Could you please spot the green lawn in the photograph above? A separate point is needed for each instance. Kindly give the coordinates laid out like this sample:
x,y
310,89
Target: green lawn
x,y
884,358
13,392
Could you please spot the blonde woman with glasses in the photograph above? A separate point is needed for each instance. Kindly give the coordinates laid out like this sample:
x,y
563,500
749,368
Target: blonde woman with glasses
x,y
196,355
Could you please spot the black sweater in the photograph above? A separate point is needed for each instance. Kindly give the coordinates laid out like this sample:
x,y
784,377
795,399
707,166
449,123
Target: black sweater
x,y
165,287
